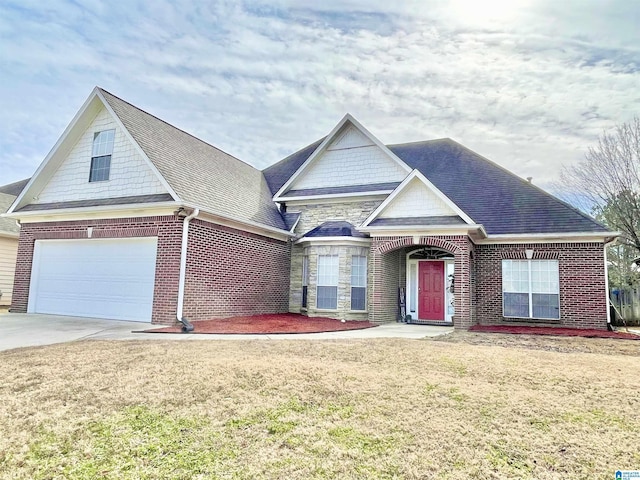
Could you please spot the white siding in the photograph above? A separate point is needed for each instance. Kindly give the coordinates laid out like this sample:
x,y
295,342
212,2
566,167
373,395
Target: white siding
x,y
350,138
352,159
129,175
8,253
416,200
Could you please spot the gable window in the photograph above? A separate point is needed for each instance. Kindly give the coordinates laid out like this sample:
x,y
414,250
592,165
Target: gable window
x,y
305,280
531,289
327,289
101,155
358,282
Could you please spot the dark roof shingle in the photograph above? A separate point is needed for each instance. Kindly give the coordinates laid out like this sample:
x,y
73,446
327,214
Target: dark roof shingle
x,y
491,195
198,172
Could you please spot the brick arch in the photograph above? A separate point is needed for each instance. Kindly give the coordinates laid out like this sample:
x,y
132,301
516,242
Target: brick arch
x,y
424,241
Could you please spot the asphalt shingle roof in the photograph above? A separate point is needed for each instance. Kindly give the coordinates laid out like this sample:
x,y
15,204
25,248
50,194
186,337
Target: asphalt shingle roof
x,y
15,188
198,172
7,225
335,229
491,195
418,221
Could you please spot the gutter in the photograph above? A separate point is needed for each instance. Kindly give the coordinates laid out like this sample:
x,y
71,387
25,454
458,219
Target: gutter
x,y
608,242
186,325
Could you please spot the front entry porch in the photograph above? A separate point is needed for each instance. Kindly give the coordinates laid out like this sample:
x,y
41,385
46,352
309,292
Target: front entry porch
x,y
422,279
429,286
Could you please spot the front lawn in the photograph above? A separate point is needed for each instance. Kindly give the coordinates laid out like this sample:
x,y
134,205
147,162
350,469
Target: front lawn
x,y
454,408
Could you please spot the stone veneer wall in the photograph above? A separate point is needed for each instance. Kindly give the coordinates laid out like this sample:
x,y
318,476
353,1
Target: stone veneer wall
x,y
312,215
344,252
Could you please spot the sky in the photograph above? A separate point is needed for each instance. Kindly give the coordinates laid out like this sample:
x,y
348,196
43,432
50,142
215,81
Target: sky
x,y
529,84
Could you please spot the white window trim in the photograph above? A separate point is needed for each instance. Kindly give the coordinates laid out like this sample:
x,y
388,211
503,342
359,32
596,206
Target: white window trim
x,y
351,286
318,285
530,292
97,155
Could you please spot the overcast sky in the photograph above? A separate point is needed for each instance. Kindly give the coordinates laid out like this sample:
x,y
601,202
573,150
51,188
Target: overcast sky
x,y
529,84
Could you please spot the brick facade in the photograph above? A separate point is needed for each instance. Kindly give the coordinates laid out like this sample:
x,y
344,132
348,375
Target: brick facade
x,y
227,259
583,291
230,272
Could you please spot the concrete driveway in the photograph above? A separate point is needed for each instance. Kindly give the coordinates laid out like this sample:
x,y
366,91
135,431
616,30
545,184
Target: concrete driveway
x,y
29,330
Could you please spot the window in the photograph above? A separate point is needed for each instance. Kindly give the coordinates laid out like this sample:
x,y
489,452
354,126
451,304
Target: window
x,y
101,155
305,280
531,289
358,282
327,293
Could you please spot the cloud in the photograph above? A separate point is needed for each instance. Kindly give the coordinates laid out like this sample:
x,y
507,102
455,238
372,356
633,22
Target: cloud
x,y
530,89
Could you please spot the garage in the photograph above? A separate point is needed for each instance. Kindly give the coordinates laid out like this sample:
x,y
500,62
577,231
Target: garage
x,y
100,278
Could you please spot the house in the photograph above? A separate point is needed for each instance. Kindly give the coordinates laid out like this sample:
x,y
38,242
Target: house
x,y
131,218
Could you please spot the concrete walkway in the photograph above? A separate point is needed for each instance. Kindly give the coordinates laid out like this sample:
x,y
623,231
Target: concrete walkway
x,y
28,330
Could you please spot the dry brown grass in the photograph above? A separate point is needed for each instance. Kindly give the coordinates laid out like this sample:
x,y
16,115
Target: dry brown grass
x,y
333,409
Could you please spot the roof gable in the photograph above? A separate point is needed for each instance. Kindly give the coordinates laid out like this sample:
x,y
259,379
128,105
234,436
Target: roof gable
x,y
416,197
198,172
350,155
130,174
63,174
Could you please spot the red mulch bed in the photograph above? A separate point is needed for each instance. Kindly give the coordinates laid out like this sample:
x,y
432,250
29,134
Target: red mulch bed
x,y
562,332
269,324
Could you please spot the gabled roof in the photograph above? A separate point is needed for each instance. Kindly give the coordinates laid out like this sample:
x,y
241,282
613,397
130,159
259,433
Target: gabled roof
x,y
348,122
199,173
193,172
422,182
491,195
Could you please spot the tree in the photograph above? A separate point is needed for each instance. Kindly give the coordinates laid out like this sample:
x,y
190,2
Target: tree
x,y
623,271
609,178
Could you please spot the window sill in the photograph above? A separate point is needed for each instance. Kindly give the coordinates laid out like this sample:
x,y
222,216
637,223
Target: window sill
x,y
326,310
358,311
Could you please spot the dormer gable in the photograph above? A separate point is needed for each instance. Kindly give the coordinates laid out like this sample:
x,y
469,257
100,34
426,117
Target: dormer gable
x,y
416,199
350,156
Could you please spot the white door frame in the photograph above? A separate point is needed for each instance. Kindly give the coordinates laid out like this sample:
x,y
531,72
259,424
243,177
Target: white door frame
x,y
412,282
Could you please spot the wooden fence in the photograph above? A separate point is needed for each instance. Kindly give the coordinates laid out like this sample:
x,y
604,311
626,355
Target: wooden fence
x,y
627,303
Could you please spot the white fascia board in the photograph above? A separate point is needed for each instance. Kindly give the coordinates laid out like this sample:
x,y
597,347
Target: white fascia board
x,y
139,149
77,118
295,224
571,237
334,240
416,174
95,212
333,195
330,138
241,224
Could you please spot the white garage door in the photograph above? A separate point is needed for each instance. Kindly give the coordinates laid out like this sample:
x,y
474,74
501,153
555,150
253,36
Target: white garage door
x,y
102,278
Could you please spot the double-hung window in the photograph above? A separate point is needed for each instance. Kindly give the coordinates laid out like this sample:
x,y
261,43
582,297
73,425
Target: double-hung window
x,y
358,282
101,155
327,288
305,280
531,289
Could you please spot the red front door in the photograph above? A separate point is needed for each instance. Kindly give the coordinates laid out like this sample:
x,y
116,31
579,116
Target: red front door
x,y
431,290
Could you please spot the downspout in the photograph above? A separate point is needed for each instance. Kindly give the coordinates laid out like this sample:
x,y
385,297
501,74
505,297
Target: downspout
x,y
186,325
606,281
